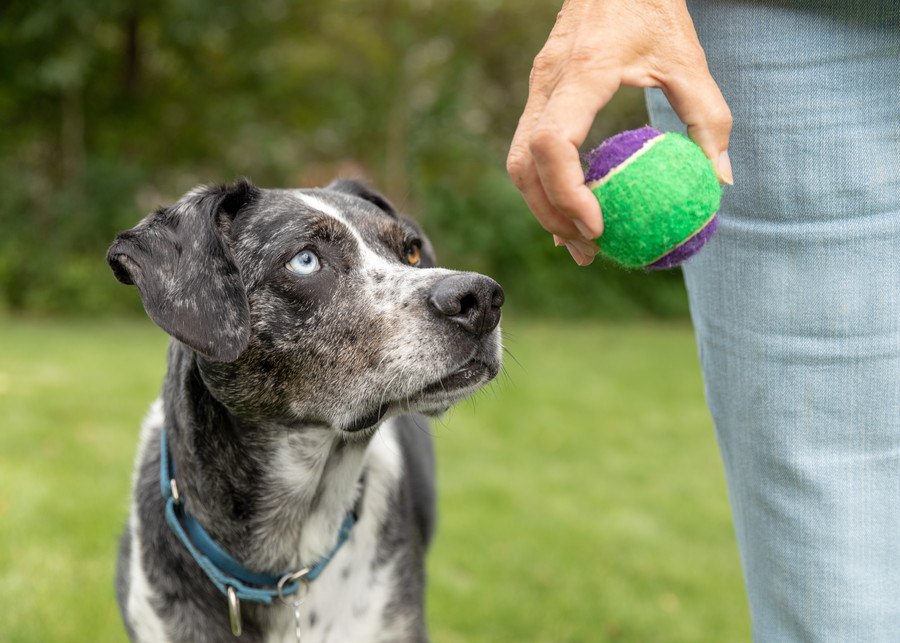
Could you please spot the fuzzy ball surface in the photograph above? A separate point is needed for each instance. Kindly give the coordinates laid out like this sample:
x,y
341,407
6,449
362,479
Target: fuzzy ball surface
x,y
659,195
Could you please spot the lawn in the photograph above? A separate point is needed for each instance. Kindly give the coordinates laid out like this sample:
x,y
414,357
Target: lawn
x,y
581,495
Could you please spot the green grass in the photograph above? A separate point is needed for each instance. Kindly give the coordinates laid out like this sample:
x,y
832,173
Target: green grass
x,y
581,495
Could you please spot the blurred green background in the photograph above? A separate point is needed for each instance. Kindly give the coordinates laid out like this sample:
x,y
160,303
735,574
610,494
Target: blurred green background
x,y
582,498
112,108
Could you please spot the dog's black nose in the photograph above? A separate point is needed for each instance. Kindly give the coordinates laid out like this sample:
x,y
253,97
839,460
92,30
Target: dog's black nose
x,y
473,301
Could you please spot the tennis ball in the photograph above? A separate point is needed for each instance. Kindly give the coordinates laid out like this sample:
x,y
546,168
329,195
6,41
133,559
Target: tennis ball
x,y
659,195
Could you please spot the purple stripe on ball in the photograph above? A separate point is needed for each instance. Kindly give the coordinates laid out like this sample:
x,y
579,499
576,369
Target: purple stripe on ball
x,y
687,249
601,160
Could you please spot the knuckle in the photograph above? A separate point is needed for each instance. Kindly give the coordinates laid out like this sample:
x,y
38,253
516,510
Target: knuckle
x,y
584,58
517,167
587,69
721,118
544,67
541,142
545,61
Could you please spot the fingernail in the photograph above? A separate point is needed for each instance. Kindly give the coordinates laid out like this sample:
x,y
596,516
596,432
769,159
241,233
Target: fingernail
x,y
725,175
557,241
587,234
586,248
577,255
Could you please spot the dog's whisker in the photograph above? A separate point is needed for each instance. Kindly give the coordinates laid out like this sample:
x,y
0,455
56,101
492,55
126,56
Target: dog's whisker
x,y
384,392
514,358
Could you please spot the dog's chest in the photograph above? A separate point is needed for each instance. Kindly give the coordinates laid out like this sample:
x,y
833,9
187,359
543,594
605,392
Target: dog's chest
x,y
352,599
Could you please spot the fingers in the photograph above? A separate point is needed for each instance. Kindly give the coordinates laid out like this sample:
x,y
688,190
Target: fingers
x,y
544,161
523,171
559,132
564,230
699,103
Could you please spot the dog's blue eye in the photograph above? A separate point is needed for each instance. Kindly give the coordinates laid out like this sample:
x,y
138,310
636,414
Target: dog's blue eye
x,y
304,263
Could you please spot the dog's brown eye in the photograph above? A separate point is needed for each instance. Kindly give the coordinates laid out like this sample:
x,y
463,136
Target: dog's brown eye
x,y
413,253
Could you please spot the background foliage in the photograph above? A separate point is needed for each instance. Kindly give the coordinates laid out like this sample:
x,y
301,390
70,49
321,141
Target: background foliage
x,y
114,107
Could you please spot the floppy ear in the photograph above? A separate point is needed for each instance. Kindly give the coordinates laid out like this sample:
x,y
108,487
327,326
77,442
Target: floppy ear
x,y
179,259
363,191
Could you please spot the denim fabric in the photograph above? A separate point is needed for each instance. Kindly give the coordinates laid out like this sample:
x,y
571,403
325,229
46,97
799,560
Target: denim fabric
x,y
796,305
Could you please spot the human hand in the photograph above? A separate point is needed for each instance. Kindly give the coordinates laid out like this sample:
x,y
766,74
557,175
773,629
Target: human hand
x,y
595,47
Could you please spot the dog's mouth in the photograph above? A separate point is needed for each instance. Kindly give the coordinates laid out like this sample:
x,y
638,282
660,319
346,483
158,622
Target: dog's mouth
x,y
436,397
469,375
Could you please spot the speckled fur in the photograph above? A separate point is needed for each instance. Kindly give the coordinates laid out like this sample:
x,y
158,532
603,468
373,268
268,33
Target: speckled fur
x,y
289,400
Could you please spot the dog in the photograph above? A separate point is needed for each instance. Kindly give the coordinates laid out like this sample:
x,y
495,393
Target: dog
x,y
311,336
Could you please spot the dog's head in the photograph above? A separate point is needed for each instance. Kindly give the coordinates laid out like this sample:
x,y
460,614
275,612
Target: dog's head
x,y
312,306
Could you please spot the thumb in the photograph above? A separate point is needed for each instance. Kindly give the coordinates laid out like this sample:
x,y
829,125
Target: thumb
x,y
699,103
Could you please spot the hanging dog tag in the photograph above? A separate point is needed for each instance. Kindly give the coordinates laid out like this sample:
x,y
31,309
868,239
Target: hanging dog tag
x,y
296,605
301,595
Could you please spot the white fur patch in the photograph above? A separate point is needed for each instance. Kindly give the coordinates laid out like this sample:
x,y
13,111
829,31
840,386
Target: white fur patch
x,y
350,598
146,624
372,258
305,465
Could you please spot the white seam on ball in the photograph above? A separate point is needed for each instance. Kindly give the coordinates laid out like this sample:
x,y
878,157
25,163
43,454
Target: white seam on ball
x,y
621,166
674,248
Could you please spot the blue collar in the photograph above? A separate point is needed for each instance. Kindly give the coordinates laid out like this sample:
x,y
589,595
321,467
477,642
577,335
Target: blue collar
x,y
228,575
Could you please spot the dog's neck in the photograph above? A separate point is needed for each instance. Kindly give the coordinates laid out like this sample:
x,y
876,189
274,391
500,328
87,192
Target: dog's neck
x,y
272,495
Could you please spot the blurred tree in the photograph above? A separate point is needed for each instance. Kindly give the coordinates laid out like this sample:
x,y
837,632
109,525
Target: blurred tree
x,y
111,108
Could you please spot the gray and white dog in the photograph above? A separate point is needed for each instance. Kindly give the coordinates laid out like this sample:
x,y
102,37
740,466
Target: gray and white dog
x,y
310,331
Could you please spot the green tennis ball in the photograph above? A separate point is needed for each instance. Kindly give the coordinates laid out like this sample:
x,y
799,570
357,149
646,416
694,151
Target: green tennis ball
x,y
659,195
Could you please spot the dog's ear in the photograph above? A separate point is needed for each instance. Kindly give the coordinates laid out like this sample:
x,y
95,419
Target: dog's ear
x,y
180,260
363,191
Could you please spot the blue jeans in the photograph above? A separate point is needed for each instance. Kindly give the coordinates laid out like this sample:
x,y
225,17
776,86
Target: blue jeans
x,y
796,305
